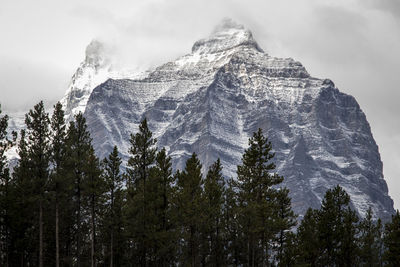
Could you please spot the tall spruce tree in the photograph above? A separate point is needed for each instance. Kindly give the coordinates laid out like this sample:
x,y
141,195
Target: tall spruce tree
x,y
233,227
308,239
143,153
257,198
38,149
112,219
5,192
284,222
78,152
163,236
59,183
23,219
370,241
337,229
392,241
191,215
213,253
93,188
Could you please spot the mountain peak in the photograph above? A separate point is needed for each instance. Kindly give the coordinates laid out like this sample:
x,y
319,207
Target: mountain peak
x,y
96,54
226,35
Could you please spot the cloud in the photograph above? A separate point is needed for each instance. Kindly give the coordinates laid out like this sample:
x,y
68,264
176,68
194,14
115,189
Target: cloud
x,y
389,6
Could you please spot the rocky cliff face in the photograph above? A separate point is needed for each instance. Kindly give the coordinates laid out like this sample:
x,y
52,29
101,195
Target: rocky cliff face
x,y
212,100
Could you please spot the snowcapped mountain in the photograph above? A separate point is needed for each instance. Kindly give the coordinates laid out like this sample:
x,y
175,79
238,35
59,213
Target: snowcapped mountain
x,y
211,101
97,67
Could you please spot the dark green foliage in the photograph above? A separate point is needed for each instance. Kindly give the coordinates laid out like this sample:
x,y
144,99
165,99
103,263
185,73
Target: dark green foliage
x,y
164,233
337,229
78,153
60,185
308,242
190,207
392,241
138,219
38,152
233,228
112,218
212,228
283,222
258,202
6,198
63,207
370,241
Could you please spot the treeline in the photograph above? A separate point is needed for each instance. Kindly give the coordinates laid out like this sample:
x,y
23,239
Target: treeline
x,y
62,206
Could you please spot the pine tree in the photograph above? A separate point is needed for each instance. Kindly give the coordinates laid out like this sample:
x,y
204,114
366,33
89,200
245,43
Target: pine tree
x,y
78,148
337,229
284,222
213,225
189,197
348,249
164,223
257,198
5,192
58,175
307,239
232,227
112,220
143,153
370,241
37,122
23,218
392,241
93,188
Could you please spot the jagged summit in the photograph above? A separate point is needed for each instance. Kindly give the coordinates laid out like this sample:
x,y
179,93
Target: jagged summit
x,y
211,101
228,34
95,54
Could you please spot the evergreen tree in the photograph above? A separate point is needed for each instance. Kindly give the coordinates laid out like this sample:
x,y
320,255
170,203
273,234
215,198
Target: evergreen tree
x,y
24,230
232,229
37,122
370,241
337,229
190,206
59,181
143,153
112,220
163,236
307,239
78,152
213,225
392,241
93,188
257,198
5,193
284,222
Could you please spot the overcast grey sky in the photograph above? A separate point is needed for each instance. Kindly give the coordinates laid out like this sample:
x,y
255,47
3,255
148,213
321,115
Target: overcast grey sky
x,y
356,43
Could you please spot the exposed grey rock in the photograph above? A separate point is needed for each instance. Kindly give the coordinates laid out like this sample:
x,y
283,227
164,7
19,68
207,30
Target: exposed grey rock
x,y
212,100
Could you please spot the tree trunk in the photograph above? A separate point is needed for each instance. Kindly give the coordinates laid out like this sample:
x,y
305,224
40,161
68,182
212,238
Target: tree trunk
x,y
112,229
78,227
57,237
93,242
40,234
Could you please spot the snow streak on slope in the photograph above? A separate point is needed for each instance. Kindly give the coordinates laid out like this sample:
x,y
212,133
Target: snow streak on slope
x,y
212,100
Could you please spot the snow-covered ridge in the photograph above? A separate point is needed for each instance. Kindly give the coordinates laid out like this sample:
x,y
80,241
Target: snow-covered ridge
x,y
228,34
211,100
96,68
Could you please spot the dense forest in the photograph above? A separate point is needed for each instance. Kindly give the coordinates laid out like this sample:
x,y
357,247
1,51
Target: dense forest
x,y
63,206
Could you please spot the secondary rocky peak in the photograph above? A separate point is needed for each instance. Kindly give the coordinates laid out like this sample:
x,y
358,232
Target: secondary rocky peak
x,y
228,34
